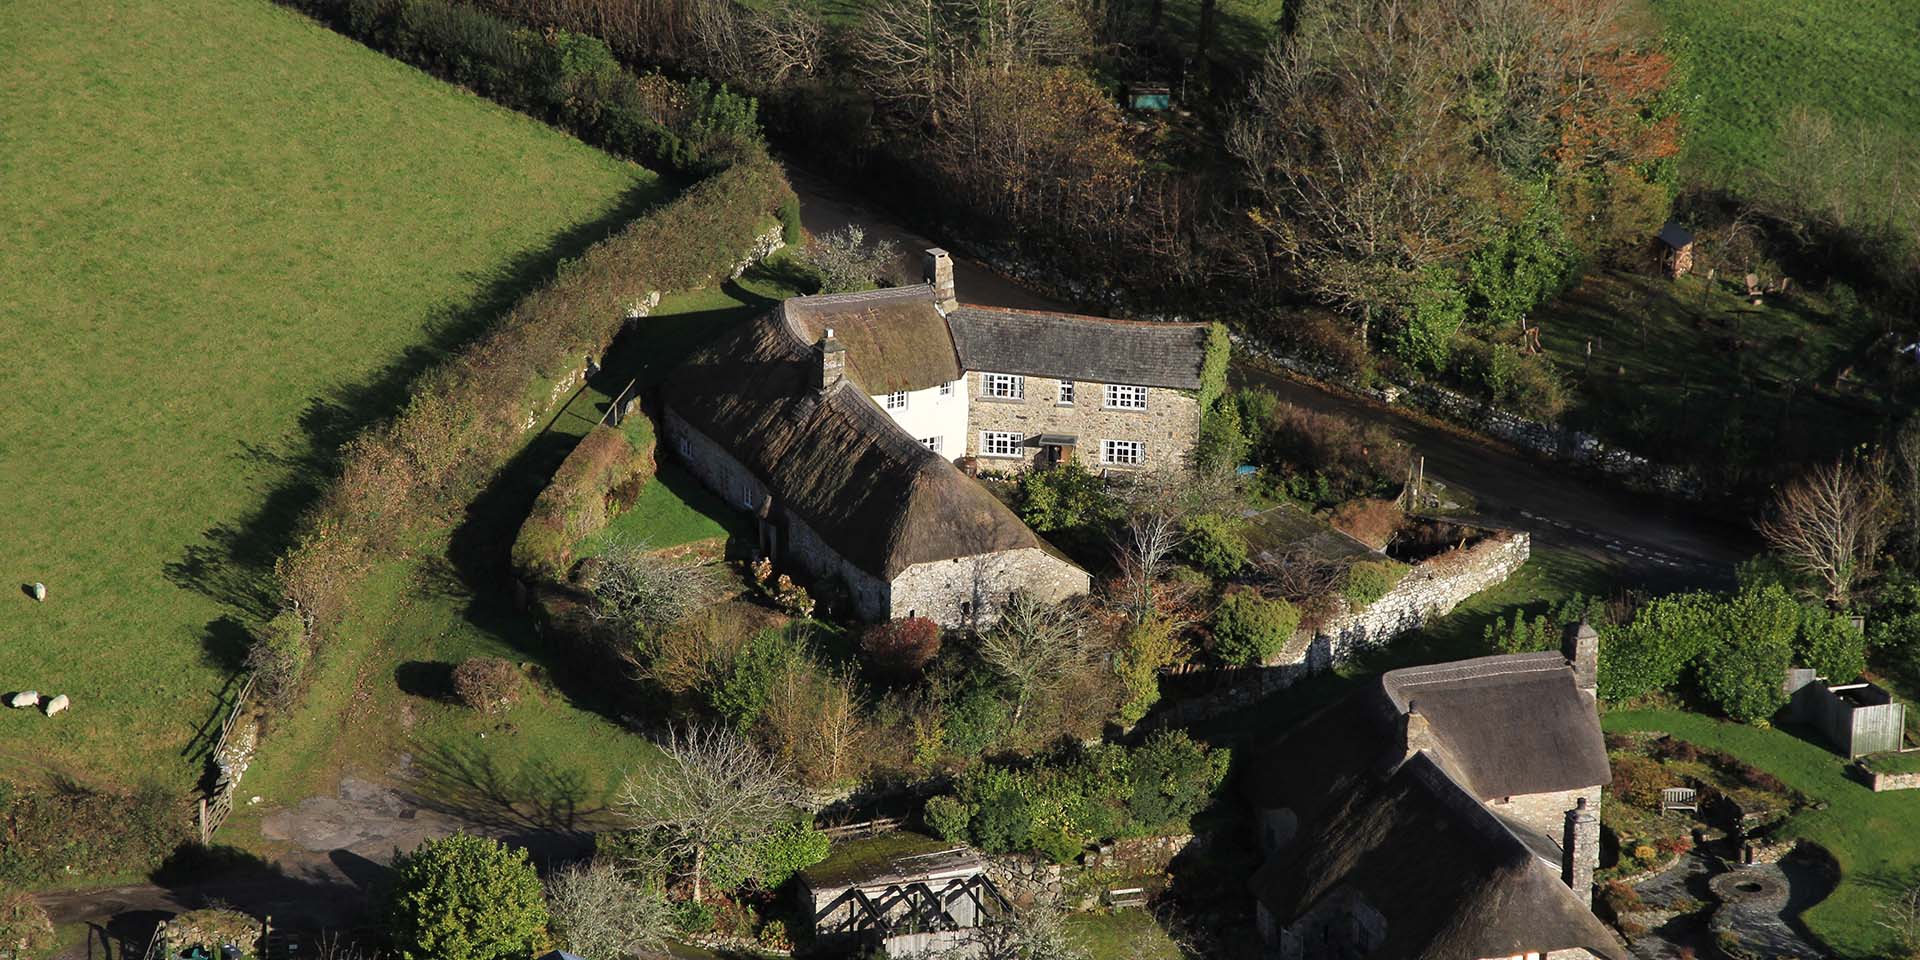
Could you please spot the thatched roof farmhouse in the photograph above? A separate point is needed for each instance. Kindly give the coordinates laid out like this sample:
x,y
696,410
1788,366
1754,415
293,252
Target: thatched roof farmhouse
x,y
843,423
1446,811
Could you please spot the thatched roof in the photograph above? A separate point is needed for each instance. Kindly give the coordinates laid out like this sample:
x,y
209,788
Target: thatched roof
x,y
879,498
895,338
1034,344
1451,878
1511,725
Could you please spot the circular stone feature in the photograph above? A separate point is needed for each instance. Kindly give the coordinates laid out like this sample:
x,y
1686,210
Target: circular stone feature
x,y
1749,886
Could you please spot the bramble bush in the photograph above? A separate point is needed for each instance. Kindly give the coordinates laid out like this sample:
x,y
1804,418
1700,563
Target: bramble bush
x,y
278,658
487,684
465,898
1250,629
26,933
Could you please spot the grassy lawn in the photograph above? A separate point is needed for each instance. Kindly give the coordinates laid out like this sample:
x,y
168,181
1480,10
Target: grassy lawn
x,y
382,689
1691,367
1875,836
1755,60
245,232
1122,935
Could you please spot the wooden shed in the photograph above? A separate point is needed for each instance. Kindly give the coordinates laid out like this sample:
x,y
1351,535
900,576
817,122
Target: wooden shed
x,y
1676,249
1858,718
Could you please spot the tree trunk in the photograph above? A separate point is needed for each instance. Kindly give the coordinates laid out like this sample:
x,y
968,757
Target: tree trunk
x,y
1205,39
699,864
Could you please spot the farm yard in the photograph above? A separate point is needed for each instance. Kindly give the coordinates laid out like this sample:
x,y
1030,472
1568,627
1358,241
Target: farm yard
x,y
247,233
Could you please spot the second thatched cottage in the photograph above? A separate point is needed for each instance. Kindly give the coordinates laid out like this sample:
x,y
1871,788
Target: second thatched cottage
x,y
837,422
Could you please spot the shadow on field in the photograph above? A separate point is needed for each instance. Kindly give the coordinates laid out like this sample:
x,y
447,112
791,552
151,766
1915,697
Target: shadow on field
x,y
233,562
539,799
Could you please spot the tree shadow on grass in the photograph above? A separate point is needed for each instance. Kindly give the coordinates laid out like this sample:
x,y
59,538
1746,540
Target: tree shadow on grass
x,y
233,562
540,804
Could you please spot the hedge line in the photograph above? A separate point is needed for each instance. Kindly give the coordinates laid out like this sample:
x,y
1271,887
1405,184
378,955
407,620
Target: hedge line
x,y
569,79
608,462
471,413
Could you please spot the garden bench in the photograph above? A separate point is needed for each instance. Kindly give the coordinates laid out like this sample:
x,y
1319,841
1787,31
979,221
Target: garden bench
x,y
1678,798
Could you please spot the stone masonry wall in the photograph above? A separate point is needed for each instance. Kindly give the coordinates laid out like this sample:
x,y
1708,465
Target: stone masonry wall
x,y
1169,425
938,589
1546,813
1893,781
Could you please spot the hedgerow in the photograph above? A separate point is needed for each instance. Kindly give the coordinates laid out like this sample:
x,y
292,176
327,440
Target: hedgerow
x,y
608,461
472,412
569,79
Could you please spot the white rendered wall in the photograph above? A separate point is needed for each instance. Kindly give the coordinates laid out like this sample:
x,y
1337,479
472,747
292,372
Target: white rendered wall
x,y
928,414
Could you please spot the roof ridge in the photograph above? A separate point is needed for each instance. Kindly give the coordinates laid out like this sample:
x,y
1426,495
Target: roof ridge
x,y
1064,315
862,296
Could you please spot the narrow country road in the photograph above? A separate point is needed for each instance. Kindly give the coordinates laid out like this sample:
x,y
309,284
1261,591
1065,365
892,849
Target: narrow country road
x,y
1650,539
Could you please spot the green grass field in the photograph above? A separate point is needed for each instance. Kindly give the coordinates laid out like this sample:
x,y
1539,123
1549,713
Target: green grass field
x,y
1875,836
1691,368
1754,61
234,234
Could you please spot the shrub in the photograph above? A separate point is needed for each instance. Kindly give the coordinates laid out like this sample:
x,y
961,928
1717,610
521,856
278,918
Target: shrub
x,y
1620,898
948,817
845,262
1066,497
744,692
1652,651
785,852
1222,443
639,591
1830,644
1215,545
25,931
1520,634
278,657
1150,646
1249,629
698,651
1638,781
1323,337
1742,673
1369,580
68,831
1326,458
693,917
1370,521
599,914
465,898
210,928
976,720
487,684
1173,778
901,648
791,232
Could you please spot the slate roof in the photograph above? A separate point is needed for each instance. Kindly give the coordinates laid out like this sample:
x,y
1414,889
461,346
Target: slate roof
x,y
895,337
1675,235
874,494
1035,344
1452,878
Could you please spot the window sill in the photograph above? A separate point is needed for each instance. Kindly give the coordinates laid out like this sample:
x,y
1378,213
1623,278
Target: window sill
x,y
1108,409
1001,399
1066,405
1003,456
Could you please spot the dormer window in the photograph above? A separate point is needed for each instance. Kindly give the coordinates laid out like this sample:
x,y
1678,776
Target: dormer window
x,y
1123,397
896,401
1004,386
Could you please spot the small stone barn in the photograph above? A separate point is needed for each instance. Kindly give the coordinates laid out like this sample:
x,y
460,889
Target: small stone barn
x,y
1857,718
1448,812
1676,249
768,418
905,898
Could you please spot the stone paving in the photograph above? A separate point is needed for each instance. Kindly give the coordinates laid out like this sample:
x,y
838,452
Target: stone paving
x,y
1700,896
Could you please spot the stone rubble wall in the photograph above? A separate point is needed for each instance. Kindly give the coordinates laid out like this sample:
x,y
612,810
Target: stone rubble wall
x,y
1893,781
1431,589
1543,439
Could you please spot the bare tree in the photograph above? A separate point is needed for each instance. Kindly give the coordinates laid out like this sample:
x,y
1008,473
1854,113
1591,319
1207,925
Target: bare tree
x,y
757,48
1829,522
601,915
1906,460
1154,529
846,262
1901,916
639,591
788,40
708,802
1035,647
812,721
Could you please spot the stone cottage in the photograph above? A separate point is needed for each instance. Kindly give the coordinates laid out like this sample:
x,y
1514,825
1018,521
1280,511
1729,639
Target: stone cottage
x,y
1448,812
837,421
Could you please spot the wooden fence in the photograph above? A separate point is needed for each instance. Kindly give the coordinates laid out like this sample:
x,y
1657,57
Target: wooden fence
x,y
864,828
218,803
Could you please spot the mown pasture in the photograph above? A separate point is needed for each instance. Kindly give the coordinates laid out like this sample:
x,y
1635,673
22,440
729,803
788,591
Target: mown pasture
x,y
235,236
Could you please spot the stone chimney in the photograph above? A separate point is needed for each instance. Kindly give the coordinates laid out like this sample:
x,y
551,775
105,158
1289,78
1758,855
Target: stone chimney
x,y
940,274
1416,733
1581,647
1580,850
832,359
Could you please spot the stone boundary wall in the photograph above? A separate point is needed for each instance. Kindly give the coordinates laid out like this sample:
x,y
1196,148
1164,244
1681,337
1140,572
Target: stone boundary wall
x,y
1431,589
1548,440
1882,782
